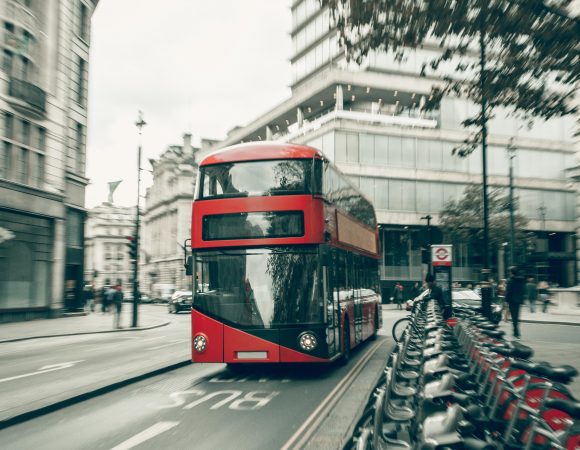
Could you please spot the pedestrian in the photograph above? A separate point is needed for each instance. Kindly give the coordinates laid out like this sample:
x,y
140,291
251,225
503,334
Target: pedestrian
x,y
117,303
437,295
544,294
104,296
415,290
531,294
514,297
89,295
501,297
398,295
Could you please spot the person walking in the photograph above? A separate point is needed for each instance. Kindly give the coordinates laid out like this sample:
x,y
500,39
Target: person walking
x,y
89,295
105,296
514,297
544,294
501,298
531,294
117,303
398,295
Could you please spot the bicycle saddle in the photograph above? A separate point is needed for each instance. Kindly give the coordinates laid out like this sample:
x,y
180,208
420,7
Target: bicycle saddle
x,y
568,406
494,333
563,373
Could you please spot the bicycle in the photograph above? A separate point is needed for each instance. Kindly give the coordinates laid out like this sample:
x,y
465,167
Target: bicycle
x,y
401,325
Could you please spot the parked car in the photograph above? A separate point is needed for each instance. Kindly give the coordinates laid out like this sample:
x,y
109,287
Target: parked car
x,y
180,301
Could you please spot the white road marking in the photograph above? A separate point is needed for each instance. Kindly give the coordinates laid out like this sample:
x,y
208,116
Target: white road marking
x,y
179,341
44,369
301,436
145,435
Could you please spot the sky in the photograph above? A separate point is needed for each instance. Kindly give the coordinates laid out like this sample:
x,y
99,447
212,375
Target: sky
x,y
193,66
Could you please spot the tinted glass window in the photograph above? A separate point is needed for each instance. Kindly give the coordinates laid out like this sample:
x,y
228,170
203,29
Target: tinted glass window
x,y
256,178
259,288
253,225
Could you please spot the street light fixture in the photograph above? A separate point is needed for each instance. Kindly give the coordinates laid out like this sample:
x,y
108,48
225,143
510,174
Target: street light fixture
x,y
511,151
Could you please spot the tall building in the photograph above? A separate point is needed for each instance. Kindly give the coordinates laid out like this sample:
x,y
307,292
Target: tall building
x,y
367,120
43,104
106,245
167,220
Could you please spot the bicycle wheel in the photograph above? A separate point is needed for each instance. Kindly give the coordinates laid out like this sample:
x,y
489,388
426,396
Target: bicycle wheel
x,y
400,326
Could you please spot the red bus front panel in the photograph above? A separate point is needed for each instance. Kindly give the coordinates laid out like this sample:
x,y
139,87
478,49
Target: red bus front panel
x,y
213,332
240,346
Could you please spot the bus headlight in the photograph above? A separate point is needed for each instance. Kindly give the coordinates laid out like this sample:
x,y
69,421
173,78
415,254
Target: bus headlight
x,y
307,341
199,343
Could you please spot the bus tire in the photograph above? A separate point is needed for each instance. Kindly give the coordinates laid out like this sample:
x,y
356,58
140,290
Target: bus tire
x,y
345,357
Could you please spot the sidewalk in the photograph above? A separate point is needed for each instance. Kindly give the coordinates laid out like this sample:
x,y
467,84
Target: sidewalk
x,y
548,317
527,317
67,326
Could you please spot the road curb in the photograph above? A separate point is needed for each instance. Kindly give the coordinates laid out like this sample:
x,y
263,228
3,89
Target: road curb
x,y
159,325
23,417
548,322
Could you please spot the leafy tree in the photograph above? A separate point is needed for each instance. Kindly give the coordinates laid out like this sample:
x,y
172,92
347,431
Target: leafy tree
x,y
461,220
520,54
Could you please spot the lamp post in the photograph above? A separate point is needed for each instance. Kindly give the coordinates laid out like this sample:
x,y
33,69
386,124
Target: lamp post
x,y
136,296
511,150
429,242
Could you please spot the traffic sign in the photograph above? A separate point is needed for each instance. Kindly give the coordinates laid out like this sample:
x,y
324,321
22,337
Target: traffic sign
x,y
441,255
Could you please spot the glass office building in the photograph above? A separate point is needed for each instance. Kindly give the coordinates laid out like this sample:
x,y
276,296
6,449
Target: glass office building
x,y
367,120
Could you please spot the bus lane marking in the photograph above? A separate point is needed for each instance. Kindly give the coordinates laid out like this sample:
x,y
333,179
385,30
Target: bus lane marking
x,y
145,435
235,399
44,369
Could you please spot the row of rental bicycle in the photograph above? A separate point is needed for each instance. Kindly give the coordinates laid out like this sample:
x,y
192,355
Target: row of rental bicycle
x,y
458,384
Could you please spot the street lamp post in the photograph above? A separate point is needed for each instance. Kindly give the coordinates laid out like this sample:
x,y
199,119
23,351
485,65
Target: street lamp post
x,y
429,241
136,295
511,149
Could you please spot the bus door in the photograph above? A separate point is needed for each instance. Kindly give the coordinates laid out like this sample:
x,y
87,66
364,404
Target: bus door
x,y
356,292
332,310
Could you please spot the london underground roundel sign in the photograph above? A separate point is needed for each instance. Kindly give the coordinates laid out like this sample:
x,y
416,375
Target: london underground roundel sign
x,y
441,255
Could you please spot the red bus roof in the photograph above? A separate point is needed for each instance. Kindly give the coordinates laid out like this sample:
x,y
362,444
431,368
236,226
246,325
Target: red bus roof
x,y
253,151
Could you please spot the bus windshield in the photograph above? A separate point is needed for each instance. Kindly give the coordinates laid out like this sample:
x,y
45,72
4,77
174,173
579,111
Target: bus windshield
x,y
256,178
259,288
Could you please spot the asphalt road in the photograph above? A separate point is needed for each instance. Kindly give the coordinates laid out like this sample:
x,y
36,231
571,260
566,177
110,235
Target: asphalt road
x,y
38,372
198,406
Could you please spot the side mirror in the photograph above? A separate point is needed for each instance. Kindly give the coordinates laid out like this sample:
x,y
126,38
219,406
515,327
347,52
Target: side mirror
x,y
189,265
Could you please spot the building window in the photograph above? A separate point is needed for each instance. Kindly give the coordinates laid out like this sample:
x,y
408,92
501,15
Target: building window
x,y
41,138
8,62
24,155
9,126
7,153
79,141
74,229
39,170
25,137
23,68
80,94
83,21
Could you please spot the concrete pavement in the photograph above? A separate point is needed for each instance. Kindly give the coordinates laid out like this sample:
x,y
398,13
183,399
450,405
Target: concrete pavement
x,y
92,323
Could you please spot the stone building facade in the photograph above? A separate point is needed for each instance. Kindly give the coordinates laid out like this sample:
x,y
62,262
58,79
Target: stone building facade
x,y
106,245
43,123
166,222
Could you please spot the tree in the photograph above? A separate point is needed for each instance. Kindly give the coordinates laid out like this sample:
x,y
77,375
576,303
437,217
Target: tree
x,y
519,54
461,220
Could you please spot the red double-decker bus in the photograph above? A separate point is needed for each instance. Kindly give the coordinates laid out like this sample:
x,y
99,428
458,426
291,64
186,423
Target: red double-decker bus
x,y
285,258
